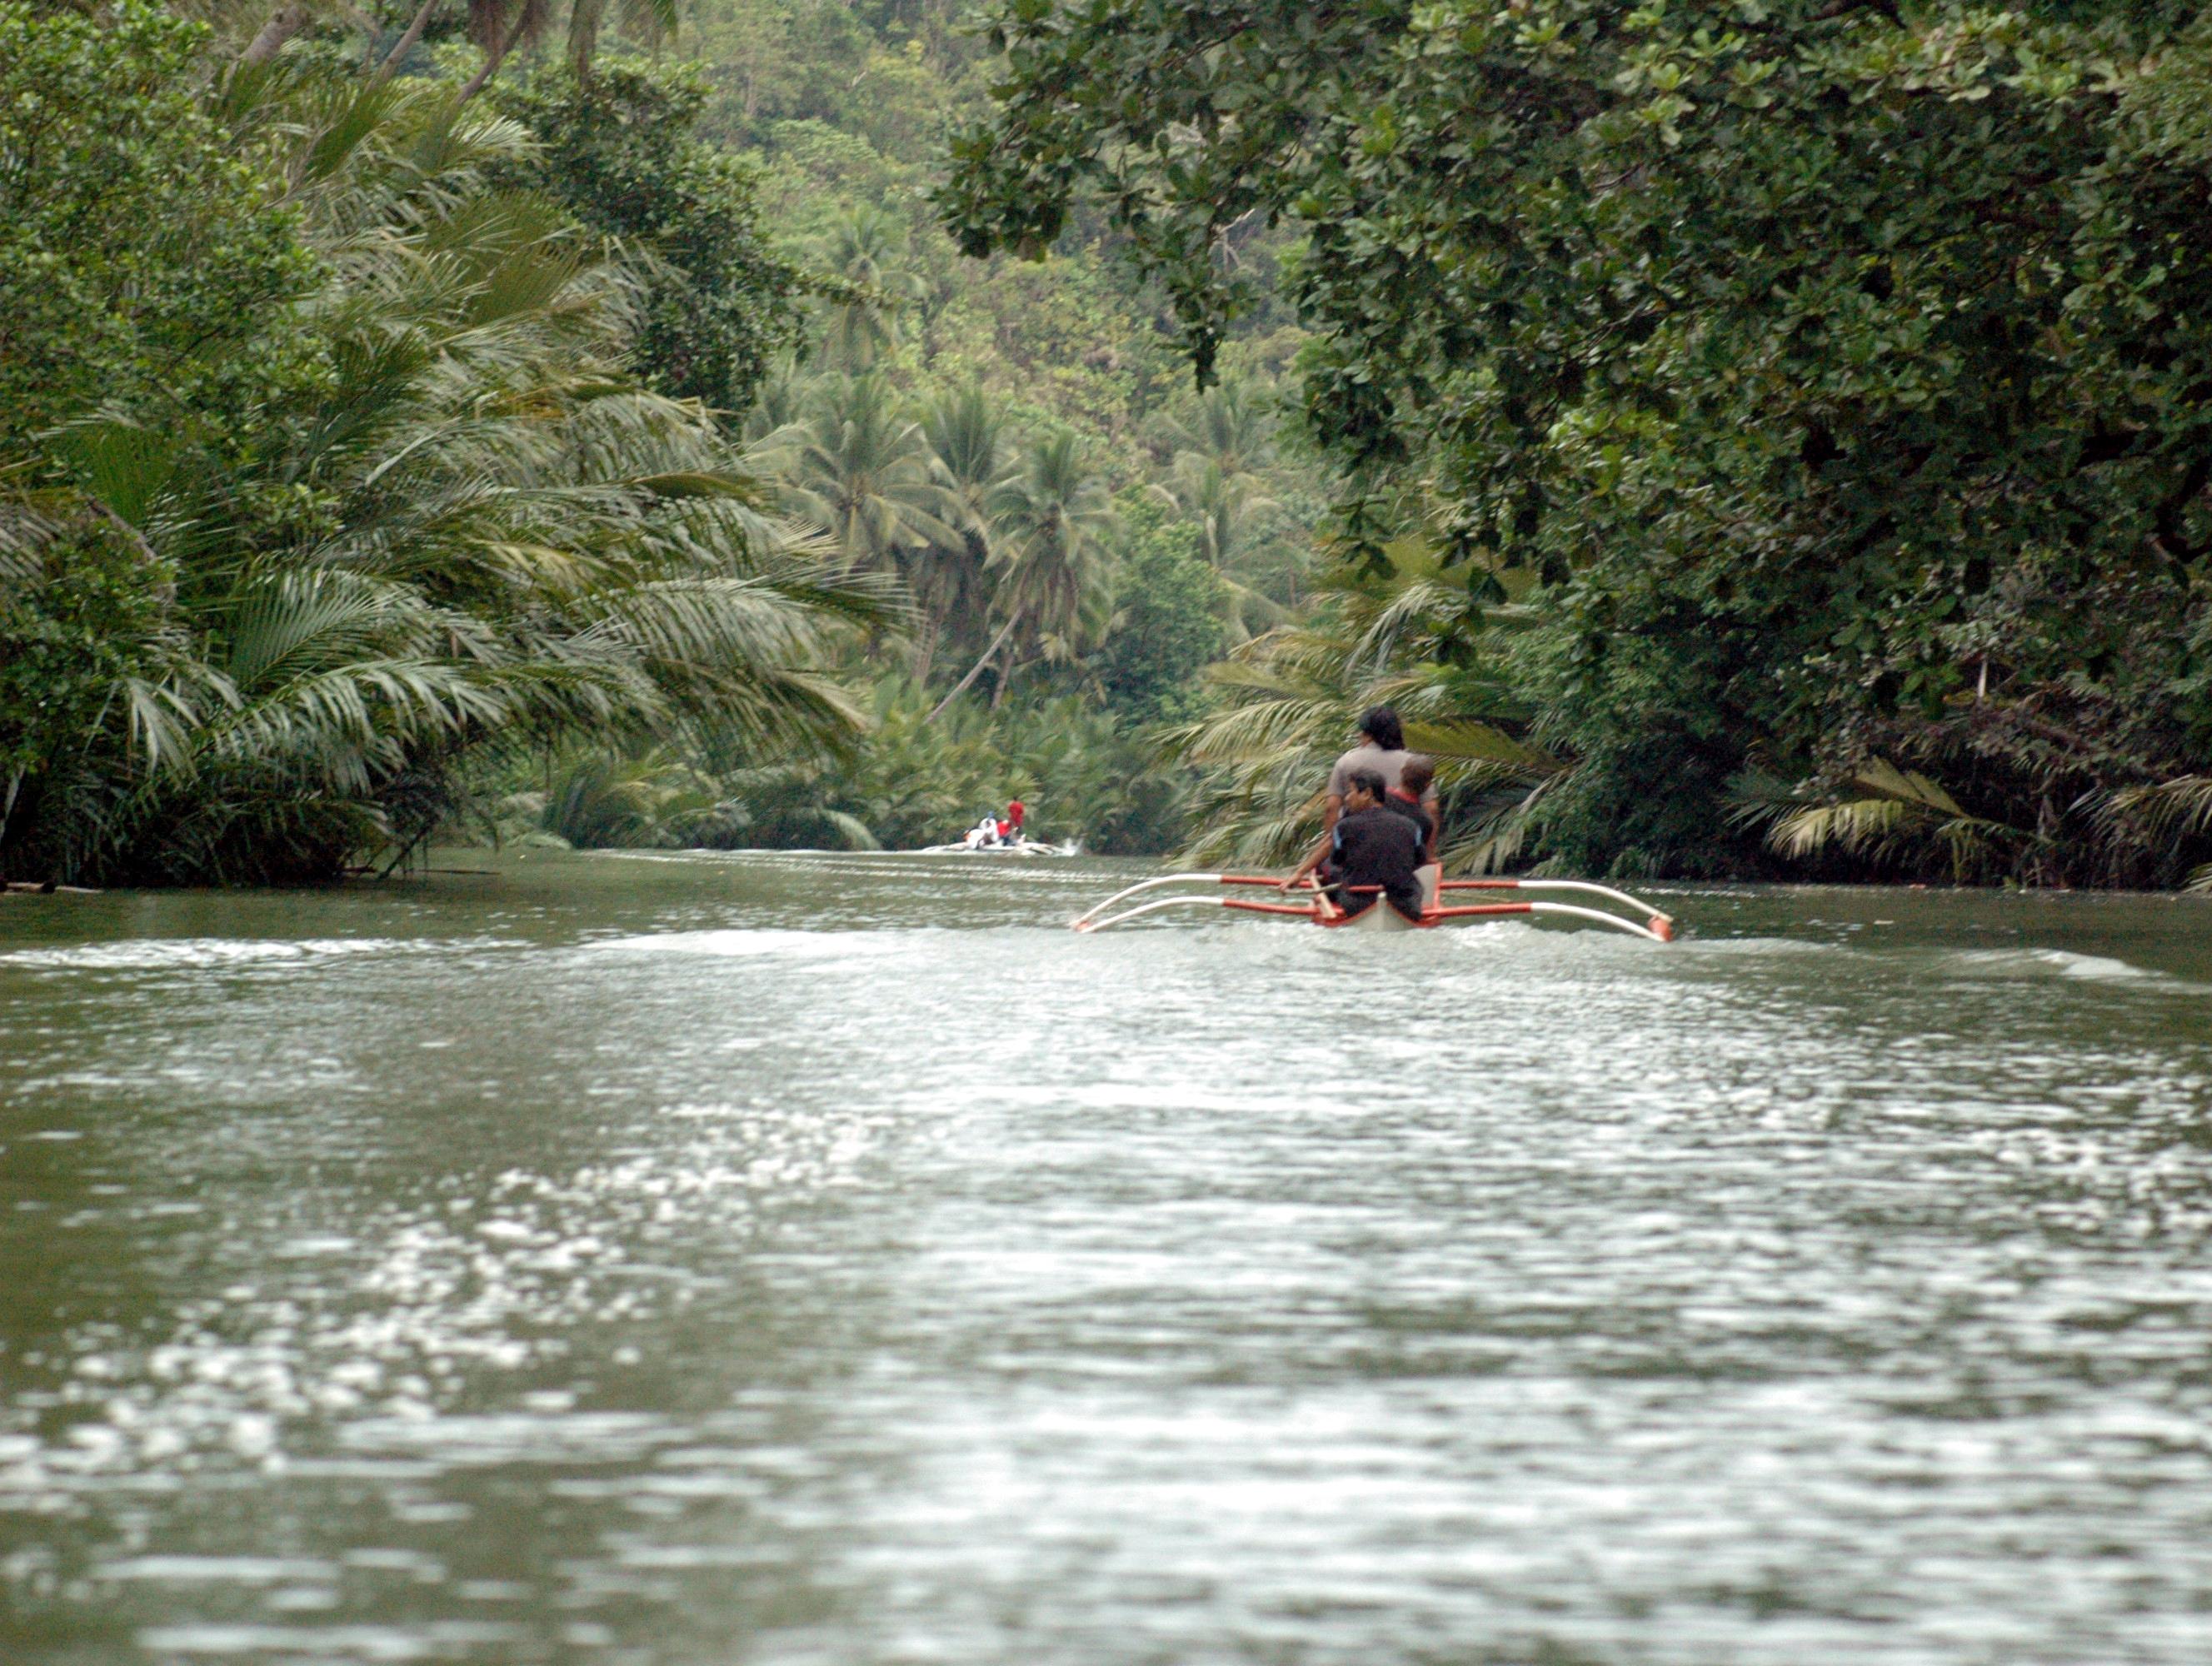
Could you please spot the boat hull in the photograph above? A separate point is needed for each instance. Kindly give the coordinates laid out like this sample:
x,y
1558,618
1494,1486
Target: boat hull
x,y
1382,917
1027,847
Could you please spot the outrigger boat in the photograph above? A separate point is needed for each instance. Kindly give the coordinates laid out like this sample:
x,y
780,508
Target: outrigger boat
x,y
1318,909
994,836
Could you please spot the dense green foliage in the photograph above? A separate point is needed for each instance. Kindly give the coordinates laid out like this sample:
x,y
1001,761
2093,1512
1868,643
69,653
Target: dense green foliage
x,y
619,152
412,428
913,779
263,604
138,250
1172,626
1078,531
1754,435
1826,384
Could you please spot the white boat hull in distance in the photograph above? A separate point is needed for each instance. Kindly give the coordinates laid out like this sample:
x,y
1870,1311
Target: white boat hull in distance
x,y
1019,848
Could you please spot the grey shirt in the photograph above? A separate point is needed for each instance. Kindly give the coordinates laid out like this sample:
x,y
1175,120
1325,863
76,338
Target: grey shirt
x,y
1366,756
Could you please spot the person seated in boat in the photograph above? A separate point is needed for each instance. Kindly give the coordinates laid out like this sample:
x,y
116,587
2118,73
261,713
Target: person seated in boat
x,y
1382,748
1415,783
984,836
1373,854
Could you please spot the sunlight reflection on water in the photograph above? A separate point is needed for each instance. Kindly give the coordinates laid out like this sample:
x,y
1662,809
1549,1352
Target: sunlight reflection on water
x,y
701,1259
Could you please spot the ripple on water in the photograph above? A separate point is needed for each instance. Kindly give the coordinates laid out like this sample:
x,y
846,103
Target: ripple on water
x,y
695,1278
217,953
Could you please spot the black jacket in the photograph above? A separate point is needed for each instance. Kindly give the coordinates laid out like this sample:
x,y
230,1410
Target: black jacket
x,y
1377,848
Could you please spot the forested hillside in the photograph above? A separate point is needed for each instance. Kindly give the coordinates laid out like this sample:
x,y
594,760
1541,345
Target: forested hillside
x,y
1080,531
1744,439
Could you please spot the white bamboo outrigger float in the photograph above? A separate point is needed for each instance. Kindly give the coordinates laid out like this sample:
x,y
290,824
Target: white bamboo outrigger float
x,y
1319,910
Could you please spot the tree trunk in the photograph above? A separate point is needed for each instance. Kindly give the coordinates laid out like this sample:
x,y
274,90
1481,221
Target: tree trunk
x,y
496,56
287,20
392,59
973,671
928,657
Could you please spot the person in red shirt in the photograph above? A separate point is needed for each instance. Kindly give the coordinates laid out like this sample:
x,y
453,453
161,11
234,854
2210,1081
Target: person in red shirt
x,y
1010,829
1415,780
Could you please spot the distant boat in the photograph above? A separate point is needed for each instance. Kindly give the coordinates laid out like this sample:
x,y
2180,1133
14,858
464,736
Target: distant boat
x,y
1021,846
985,839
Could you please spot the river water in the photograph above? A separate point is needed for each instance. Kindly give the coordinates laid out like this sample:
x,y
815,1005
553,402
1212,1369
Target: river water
x,y
724,1261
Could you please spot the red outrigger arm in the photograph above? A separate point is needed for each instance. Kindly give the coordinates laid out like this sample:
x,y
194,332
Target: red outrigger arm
x,y
1657,927
1239,904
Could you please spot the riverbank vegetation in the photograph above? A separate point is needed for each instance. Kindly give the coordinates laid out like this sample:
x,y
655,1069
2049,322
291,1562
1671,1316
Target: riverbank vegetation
x,y
443,419
329,472
1806,404
1744,440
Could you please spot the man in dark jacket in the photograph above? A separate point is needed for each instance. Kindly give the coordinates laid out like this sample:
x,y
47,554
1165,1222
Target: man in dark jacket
x,y
1371,851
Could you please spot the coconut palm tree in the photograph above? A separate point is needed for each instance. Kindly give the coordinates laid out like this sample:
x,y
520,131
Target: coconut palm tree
x,y
968,443
864,248
1229,511
1232,428
498,27
779,406
1290,700
1216,478
858,467
969,456
1053,573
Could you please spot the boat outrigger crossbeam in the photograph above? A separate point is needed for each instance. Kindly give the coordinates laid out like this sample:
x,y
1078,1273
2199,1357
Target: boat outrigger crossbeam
x,y
1317,909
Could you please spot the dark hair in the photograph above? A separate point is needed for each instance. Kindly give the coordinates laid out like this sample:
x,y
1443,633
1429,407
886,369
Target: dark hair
x,y
1416,773
1381,726
1368,780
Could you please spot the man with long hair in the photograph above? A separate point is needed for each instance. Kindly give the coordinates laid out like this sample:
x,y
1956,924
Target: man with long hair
x,y
1382,749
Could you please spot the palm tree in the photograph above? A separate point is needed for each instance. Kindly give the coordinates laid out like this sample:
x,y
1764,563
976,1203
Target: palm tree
x,y
1229,510
864,248
860,469
1290,699
1054,579
1057,517
1216,480
778,408
2163,817
498,27
1884,814
1233,427
1226,507
967,439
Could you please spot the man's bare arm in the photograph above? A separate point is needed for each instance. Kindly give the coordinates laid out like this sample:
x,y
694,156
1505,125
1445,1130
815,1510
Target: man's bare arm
x,y
1330,811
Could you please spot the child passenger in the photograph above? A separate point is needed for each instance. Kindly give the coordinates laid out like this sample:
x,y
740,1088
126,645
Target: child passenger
x,y
1415,777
